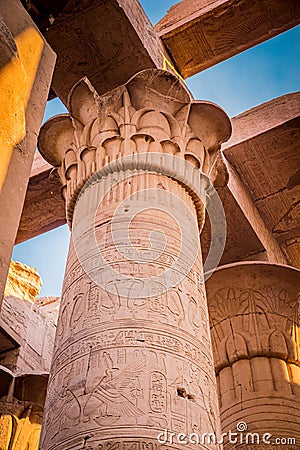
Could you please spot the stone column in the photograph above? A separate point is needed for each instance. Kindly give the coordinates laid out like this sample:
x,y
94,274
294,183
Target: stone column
x,y
133,358
26,66
254,316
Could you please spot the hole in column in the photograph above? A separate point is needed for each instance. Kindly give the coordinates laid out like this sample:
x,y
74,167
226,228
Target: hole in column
x,y
191,397
181,392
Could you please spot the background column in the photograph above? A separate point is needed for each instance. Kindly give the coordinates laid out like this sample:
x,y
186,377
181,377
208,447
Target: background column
x,y
254,316
26,66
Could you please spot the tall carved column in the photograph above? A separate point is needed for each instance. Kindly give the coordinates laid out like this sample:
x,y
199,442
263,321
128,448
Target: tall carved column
x,y
133,355
254,316
26,67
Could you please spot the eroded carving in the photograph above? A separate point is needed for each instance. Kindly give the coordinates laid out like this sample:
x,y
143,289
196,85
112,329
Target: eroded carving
x,y
254,320
21,409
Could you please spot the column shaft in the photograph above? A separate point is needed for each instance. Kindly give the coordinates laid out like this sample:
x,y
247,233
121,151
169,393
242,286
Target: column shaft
x,y
26,66
254,315
127,368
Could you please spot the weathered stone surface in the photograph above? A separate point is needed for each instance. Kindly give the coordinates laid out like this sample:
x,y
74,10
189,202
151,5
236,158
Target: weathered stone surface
x,y
245,201
264,118
24,84
23,281
44,207
254,317
106,40
49,306
264,150
27,332
132,354
201,33
24,368
22,399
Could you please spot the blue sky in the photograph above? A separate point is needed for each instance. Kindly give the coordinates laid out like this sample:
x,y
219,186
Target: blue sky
x,y
264,72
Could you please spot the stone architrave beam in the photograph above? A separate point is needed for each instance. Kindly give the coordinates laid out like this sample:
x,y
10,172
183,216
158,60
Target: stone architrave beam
x,y
264,150
247,205
44,207
106,40
200,34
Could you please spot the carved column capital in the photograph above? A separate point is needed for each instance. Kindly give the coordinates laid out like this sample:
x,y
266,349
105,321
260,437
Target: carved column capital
x,y
152,113
133,354
255,322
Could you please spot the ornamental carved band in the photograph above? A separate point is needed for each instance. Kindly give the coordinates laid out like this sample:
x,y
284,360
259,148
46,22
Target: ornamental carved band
x,y
152,113
133,354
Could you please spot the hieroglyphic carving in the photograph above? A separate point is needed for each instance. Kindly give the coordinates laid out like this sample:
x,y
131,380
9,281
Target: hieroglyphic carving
x,y
260,313
127,347
93,344
158,387
255,335
94,348
116,390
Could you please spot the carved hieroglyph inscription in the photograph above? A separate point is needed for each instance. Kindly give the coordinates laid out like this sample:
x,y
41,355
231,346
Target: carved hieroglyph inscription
x,y
133,353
